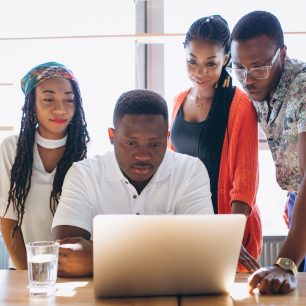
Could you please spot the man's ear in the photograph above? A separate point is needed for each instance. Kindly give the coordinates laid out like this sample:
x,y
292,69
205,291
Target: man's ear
x,y
283,53
111,134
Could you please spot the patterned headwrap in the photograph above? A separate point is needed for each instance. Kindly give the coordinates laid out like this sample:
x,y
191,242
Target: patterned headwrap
x,y
43,72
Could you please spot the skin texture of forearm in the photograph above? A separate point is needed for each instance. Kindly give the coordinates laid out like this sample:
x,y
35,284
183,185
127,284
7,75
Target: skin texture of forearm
x,y
245,258
294,246
240,208
15,245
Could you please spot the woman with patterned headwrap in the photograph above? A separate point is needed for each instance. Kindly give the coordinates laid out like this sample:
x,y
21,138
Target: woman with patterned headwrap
x,y
33,165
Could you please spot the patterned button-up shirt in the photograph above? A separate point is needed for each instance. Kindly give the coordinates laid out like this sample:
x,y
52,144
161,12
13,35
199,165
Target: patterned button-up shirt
x,y
287,120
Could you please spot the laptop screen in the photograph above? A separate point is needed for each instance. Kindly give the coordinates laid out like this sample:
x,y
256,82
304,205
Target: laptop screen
x,y
146,255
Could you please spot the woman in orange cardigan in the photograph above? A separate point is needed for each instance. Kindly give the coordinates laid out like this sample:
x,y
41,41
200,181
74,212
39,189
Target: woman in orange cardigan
x,y
217,123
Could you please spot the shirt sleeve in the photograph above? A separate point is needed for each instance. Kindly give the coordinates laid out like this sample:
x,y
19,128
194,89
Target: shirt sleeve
x,y
196,198
74,206
300,96
7,157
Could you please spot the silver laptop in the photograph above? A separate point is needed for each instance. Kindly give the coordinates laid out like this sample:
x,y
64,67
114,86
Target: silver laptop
x,y
149,255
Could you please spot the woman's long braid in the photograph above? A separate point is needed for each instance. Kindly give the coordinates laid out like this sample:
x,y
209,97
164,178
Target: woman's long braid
x,y
21,172
218,114
76,148
214,29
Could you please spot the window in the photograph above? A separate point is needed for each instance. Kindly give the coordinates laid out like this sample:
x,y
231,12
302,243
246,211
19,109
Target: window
x,y
178,16
114,46
94,39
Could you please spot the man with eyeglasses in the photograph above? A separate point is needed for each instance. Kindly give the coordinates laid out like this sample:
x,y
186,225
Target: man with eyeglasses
x,y
257,73
277,86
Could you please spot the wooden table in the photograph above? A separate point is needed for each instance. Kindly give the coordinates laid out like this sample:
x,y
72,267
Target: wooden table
x,y
14,291
239,296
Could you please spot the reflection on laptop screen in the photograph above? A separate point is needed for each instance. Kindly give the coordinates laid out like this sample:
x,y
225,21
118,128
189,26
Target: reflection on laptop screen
x,y
165,254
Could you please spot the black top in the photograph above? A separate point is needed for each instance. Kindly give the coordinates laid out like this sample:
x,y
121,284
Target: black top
x,y
185,135
205,139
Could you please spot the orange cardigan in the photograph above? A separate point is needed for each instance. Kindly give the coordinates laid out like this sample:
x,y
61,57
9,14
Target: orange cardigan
x,y
238,174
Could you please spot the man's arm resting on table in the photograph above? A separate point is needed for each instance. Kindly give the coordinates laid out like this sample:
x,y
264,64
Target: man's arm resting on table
x,y
75,253
275,279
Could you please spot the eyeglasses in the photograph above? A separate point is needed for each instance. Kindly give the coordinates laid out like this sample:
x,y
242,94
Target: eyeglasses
x,y
258,73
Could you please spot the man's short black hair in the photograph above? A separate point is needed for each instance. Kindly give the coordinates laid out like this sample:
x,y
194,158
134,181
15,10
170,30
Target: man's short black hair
x,y
256,24
140,102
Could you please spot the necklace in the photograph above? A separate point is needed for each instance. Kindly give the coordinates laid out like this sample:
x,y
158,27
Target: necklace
x,y
193,98
198,104
50,143
201,104
197,101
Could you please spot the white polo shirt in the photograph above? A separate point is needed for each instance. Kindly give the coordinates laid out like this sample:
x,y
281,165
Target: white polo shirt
x,y
97,186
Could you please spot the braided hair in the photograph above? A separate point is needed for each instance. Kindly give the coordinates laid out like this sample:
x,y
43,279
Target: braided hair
x,y
214,29
21,172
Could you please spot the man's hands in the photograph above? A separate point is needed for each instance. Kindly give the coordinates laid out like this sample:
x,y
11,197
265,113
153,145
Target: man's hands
x,y
249,262
272,280
75,257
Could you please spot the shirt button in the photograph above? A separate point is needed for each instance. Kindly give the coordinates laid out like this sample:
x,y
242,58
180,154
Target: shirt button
x,y
134,196
126,182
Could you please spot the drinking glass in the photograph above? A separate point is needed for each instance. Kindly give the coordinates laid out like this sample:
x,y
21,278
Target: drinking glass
x,y
42,259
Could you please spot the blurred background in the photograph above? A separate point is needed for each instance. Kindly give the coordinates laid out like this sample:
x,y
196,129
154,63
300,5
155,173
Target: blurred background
x,y
118,45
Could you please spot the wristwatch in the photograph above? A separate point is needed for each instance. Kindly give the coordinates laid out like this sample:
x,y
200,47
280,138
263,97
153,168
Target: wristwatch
x,y
287,264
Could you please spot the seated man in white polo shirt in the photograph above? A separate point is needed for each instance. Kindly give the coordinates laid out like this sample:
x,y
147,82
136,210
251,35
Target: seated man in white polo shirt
x,y
140,177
